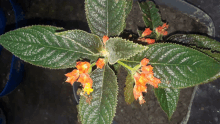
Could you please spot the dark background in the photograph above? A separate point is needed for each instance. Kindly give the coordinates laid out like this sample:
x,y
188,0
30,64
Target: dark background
x,y
44,97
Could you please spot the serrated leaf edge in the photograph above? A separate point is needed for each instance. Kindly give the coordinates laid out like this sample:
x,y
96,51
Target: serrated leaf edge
x,y
122,27
116,100
60,34
208,80
175,107
131,55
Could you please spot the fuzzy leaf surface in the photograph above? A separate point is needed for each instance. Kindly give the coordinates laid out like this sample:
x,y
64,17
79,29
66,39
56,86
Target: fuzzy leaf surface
x,y
122,49
178,66
102,107
151,14
105,17
128,90
90,41
215,55
197,40
40,46
204,44
168,99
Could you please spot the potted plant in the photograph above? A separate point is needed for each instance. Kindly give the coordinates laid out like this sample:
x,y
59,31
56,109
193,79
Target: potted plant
x,y
167,67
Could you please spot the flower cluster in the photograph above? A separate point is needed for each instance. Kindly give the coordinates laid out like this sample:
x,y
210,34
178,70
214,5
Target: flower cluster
x,y
104,52
162,29
100,63
146,33
81,75
105,38
141,79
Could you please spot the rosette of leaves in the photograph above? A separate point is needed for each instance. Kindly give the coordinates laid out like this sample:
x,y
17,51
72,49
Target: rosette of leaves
x,y
176,66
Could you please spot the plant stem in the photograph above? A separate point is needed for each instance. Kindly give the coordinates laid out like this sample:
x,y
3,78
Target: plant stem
x,y
126,66
90,69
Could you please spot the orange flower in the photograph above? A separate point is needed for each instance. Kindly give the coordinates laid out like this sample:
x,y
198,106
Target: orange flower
x,y
72,76
155,82
83,67
136,93
105,38
150,41
136,76
143,77
144,61
141,100
165,25
146,32
147,69
100,63
88,88
142,80
85,78
161,29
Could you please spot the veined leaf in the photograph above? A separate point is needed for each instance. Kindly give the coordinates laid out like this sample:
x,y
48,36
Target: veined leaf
x,y
129,96
105,17
102,108
90,41
215,55
39,46
178,66
197,40
122,49
168,99
204,44
151,15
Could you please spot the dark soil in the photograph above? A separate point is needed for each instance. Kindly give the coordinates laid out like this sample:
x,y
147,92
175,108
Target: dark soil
x,y
44,97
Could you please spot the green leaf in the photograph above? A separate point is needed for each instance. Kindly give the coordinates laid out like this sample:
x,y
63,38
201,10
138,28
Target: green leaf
x,y
102,108
116,67
178,66
129,96
215,55
168,99
122,49
204,44
106,17
197,40
128,7
90,42
151,15
39,46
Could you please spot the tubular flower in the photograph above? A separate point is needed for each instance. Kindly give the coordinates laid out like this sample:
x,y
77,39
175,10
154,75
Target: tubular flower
x,y
147,69
146,32
72,76
141,79
162,29
100,63
150,41
105,38
136,92
141,100
83,67
81,75
84,79
88,88
144,61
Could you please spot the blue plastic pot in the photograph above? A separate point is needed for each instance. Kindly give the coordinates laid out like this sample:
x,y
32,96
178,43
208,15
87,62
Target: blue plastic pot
x,y
17,66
